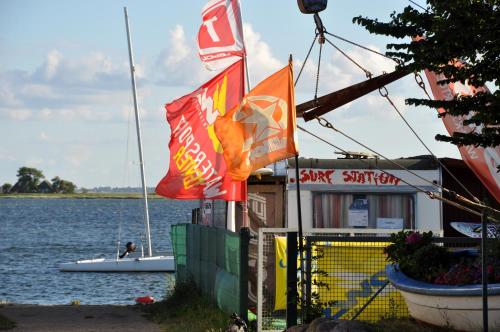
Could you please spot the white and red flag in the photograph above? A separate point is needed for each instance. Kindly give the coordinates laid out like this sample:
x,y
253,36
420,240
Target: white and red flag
x,y
482,161
220,39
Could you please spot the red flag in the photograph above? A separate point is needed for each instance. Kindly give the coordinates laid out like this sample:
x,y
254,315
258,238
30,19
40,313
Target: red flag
x,y
220,39
262,129
482,161
197,169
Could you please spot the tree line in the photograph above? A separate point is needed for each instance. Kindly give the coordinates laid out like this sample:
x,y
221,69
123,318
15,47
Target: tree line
x,y
32,180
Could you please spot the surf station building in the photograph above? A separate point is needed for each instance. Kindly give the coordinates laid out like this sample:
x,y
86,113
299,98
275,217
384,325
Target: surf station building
x,y
365,193
352,193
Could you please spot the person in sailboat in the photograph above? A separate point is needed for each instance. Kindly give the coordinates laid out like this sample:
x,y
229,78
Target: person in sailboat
x,y
130,247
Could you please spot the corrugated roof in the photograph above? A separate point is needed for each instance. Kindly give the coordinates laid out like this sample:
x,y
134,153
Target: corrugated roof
x,y
413,163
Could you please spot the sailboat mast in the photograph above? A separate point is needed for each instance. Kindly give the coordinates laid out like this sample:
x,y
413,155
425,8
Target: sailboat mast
x,y
139,141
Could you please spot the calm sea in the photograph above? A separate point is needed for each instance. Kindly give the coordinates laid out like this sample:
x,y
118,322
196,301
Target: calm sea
x,y
38,234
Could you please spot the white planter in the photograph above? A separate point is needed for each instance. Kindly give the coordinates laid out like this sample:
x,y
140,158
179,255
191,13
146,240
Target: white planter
x,y
457,307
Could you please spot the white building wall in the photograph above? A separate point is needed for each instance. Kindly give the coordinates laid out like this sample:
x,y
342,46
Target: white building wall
x,y
307,209
427,213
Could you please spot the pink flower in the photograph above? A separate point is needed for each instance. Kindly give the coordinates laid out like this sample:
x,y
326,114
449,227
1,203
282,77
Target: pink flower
x,y
413,238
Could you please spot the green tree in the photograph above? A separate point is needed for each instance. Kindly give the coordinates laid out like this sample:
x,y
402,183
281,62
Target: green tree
x,y
68,187
56,184
28,179
6,188
460,29
62,186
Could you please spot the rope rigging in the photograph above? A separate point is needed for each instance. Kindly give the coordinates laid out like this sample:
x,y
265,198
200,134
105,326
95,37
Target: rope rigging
x,y
431,195
319,35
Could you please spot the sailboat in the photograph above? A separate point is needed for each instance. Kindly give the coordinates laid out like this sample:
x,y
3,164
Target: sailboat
x,y
122,263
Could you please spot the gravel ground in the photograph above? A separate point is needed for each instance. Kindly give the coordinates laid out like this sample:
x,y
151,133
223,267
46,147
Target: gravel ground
x,y
80,318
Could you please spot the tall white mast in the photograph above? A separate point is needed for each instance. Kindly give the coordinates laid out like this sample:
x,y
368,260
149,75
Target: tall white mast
x,y
139,141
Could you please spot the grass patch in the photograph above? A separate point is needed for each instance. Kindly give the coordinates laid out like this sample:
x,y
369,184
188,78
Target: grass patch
x,y
186,310
6,324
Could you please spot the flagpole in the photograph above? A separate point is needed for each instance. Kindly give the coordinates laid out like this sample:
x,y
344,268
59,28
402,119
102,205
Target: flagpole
x,y
246,221
244,49
299,215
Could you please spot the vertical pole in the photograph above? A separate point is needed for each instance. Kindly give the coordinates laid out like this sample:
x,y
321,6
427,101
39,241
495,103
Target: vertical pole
x,y
244,205
244,243
308,279
299,215
231,216
246,222
139,141
484,257
291,279
260,276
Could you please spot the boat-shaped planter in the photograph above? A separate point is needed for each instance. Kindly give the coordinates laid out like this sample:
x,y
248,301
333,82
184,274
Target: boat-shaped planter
x,y
457,307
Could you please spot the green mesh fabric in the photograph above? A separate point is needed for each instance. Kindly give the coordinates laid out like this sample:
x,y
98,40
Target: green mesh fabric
x,y
210,257
178,236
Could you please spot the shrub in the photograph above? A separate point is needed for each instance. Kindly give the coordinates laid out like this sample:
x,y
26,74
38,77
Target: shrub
x,y
419,258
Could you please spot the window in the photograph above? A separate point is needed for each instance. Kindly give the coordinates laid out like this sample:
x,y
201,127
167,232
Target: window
x,y
353,210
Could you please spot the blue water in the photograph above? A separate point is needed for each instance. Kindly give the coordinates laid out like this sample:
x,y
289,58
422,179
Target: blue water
x,y
38,234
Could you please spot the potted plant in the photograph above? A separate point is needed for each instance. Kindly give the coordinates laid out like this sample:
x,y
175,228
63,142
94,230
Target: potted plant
x,y
443,287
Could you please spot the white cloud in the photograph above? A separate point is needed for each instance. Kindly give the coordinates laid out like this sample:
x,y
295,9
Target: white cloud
x,y
78,155
261,62
44,137
19,114
7,157
179,50
34,161
52,64
90,88
179,64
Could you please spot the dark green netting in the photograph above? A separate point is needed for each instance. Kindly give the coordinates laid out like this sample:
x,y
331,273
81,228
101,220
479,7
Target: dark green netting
x,y
210,257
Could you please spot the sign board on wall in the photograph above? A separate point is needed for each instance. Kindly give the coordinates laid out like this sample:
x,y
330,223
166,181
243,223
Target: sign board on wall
x,y
360,177
206,212
390,223
358,213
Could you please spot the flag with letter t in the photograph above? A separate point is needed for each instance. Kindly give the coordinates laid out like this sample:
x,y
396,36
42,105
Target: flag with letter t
x,y
220,38
262,129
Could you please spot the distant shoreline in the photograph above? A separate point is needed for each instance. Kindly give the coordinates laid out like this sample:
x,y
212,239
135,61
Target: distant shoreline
x,y
81,196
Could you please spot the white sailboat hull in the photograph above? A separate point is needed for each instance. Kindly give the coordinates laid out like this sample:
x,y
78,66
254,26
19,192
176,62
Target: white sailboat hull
x,y
141,264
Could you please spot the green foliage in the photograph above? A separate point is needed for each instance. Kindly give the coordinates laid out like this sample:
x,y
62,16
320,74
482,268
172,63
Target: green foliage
x,y
421,259
62,186
460,29
28,179
6,188
417,256
314,308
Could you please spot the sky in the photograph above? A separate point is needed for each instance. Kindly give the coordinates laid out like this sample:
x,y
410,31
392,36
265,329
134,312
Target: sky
x,y
66,100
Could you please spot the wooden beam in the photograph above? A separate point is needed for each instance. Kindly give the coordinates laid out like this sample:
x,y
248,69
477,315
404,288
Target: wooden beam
x,y
314,108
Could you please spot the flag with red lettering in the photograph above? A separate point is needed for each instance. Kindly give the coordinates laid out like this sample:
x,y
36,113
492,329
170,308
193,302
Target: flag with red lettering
x,y
482,161
197,168
220,38
262,129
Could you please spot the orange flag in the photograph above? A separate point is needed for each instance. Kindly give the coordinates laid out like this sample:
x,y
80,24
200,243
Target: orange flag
x,y
262,129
